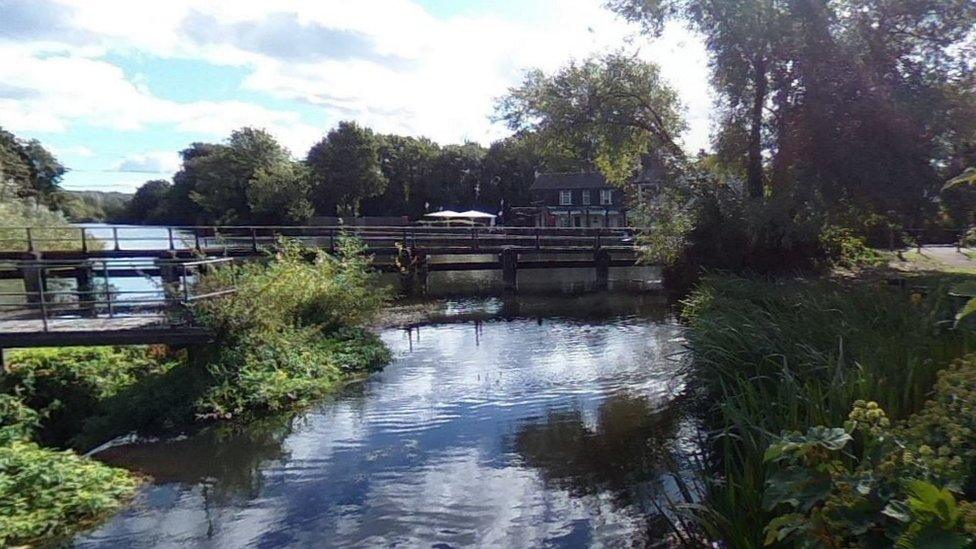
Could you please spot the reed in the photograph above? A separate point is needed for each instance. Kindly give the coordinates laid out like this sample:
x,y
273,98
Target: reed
x,y
774,356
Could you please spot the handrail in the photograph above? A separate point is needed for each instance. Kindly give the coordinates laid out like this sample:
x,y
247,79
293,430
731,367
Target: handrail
x,y
90,301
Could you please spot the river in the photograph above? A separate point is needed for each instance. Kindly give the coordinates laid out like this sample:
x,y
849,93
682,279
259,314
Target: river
x,y
516,422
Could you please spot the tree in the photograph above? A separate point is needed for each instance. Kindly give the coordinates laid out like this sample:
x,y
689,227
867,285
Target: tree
x,y
608,112
222,176
509,169
456,177
279,194
855,103
16,169
148,202
406,163
47,172
28,170
345,169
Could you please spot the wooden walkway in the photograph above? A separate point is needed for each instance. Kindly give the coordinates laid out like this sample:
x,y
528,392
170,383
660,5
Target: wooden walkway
x,y
120,330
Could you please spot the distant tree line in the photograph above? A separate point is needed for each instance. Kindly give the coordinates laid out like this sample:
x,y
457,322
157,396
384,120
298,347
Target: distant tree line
x,y
352,171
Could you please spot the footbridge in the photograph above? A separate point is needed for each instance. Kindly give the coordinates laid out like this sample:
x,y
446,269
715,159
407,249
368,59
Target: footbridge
x,y
75,289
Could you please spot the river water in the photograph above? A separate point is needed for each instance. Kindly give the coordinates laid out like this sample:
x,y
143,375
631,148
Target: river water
x,y
530,421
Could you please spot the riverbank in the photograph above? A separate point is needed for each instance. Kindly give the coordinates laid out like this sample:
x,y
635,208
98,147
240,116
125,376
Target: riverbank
x,y
827,360
290,334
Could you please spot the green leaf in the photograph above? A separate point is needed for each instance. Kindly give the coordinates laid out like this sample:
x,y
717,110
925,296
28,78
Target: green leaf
x,y
784,526
967,309
967,177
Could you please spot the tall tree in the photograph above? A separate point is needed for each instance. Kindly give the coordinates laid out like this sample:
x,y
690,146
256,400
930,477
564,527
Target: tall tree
x,y
746,39
149,202
223,176
608,112
28,170
345,169
456,177
279,194
406,163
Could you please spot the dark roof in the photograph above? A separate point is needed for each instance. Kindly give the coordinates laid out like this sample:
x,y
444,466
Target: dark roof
x,y
579,180
653,174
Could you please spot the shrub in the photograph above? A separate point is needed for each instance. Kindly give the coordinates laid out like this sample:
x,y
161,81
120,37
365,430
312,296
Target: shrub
x,y
46,494
845,249
74,385
289,332
781,356
871,483
17,422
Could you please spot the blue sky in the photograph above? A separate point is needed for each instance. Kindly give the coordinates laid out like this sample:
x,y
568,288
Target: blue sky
x,y
116,88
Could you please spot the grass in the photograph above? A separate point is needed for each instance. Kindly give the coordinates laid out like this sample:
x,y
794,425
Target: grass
x,y
775,356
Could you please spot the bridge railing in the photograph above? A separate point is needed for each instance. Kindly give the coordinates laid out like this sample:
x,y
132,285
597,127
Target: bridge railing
x,y
50,298
248,237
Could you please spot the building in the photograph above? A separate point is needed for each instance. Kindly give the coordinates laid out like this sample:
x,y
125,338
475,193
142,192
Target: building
x,y
585,199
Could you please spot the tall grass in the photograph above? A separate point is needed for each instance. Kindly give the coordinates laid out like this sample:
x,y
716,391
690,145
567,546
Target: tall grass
x,y
779,356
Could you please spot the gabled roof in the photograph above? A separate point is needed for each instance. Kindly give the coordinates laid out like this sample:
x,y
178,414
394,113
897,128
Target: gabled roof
x,y
568,180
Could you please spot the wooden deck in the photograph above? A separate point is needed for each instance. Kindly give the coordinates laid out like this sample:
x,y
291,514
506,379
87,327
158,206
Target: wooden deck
x,y
119,330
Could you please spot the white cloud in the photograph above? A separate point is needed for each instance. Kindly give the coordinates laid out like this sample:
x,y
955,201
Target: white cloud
x,y
388,64
160,162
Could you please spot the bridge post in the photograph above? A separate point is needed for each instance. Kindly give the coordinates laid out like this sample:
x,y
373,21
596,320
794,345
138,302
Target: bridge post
x,y
601,259
169,275
413,271
32,274
509,261
85,290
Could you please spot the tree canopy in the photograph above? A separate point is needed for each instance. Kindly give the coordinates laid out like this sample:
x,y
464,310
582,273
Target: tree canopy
x,y
607,112
346,168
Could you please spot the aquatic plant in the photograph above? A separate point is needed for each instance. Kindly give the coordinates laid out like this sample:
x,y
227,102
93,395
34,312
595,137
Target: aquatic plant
x,y
782,356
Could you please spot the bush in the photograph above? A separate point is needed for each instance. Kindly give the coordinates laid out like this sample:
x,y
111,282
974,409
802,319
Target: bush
x,y
845,249
871,483
46,494
781,356
17,422
289,333
75,387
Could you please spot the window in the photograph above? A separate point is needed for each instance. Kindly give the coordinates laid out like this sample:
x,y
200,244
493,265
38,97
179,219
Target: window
x,y
586,198
565,198
606,197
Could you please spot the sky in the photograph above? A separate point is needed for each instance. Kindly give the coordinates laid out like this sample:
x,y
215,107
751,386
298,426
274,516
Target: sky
x,y
115,88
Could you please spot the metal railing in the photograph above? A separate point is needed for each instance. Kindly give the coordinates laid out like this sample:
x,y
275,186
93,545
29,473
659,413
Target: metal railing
x,y
254,237
49,296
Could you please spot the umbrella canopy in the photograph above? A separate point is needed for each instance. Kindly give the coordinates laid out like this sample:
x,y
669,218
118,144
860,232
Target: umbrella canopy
x,y
476,213
443,213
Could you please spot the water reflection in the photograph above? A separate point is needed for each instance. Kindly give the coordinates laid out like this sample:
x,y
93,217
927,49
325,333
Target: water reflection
x,y
514,429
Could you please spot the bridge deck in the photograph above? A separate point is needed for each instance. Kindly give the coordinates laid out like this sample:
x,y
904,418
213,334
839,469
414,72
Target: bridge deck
x,y
119,330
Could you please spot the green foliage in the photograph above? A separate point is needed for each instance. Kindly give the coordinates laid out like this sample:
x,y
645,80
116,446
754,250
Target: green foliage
x,y
881,484
95,206
17,421
849,101
46,494
28,171
148,204
86,394
52,231
772,357
289,332
346,169
608,112
844,248
279,194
